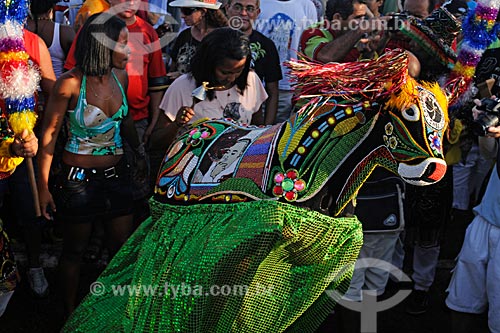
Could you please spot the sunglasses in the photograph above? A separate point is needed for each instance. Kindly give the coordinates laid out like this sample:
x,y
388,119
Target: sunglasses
x,y
239,8
188,10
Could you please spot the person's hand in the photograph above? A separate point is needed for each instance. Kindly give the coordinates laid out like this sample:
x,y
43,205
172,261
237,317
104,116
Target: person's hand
x,y
492,131
147,134
183,116
475,111
140,172
173,75
374,37
25,145
47,205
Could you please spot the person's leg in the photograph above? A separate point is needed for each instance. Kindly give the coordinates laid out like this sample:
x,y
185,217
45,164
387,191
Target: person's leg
x,y
480,174
358,276
467,289
142,190
96,243
492,278
75,239
284,106
4,300
23,205
398,257
118,231
425,261
119,223
462,173
383,249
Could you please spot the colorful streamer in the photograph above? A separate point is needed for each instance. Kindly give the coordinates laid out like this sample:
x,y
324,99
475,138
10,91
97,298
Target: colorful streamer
x,y
479,30
18,78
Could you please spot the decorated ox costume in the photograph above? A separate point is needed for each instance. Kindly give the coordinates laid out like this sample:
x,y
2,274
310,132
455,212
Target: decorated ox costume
x,y
243,208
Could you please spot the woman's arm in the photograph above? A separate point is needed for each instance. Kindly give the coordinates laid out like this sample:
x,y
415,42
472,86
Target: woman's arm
x,y
51,125
166,130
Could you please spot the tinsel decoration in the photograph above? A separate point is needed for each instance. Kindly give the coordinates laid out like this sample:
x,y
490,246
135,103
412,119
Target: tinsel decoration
x,y
18,78
19,81
479,30
369,79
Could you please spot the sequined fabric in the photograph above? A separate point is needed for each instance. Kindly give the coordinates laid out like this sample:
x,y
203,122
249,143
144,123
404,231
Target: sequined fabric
x,y
283,257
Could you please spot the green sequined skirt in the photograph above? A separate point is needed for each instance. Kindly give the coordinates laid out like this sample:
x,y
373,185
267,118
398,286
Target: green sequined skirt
x,y
260,266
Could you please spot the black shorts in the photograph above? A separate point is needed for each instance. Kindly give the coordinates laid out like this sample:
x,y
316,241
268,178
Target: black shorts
x,y
83,195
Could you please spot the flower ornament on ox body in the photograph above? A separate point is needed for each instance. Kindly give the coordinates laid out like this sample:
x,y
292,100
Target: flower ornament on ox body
x,y
389,139
288,185
196,136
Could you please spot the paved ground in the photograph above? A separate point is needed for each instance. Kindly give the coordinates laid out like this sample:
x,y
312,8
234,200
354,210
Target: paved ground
x,y
27,314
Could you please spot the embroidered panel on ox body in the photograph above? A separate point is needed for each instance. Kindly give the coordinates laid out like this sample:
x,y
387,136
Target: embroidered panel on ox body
x,y
91,131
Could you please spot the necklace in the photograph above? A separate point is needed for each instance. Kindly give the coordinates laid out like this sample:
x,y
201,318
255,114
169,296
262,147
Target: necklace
x,y
99,97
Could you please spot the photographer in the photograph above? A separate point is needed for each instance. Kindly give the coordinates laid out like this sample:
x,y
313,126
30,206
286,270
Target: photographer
x,y
474,285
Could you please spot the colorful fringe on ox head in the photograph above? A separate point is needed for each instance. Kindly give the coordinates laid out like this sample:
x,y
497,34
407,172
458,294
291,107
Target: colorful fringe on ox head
x,y
18,78
479,30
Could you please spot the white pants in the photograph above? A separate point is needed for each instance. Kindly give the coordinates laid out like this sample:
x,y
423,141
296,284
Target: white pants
x,y
4,300
379,246
474,286
425,260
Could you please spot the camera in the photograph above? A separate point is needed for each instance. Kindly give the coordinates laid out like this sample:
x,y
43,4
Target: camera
x,y
489,118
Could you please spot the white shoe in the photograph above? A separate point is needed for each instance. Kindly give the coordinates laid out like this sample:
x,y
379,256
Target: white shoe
x,y
38,283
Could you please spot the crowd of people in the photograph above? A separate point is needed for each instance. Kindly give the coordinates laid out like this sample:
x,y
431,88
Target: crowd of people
x,y
115,95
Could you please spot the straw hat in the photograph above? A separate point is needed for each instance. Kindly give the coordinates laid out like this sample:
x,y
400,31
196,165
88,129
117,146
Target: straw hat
x,y
210,4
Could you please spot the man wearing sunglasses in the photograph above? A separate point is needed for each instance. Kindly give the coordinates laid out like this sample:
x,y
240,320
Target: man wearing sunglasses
x,y
265,60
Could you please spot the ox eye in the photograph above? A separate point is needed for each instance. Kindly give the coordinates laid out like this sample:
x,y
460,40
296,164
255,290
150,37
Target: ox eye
x,y
434,115
412,113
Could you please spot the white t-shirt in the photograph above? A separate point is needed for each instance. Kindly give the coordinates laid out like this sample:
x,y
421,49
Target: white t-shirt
x,y
226,104
283,22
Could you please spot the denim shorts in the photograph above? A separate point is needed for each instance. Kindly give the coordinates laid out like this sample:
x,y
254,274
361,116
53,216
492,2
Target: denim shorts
x,y
94,194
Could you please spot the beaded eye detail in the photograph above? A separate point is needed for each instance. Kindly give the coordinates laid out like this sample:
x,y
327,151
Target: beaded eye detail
x,y
434,115
288,185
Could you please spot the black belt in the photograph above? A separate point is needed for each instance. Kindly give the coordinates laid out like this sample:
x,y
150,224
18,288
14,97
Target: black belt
x,y
75,173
